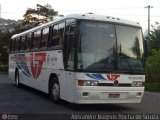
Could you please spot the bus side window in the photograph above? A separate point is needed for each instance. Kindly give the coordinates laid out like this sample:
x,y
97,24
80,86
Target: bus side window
x,y
72,28
36,39
29,41
22,45
54,38
69,50
61,33
17,44
45,36
25,42
12,45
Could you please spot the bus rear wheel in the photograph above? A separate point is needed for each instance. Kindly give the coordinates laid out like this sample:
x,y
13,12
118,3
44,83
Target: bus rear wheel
x,y
55,92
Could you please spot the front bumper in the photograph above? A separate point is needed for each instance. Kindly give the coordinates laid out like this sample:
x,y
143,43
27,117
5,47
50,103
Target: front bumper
x,y
91,95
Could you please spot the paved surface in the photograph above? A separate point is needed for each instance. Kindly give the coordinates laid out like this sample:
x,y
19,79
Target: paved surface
x,y
28,101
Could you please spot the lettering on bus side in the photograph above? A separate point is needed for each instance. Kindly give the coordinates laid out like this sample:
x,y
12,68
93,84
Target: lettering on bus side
x,y
51,58
136,77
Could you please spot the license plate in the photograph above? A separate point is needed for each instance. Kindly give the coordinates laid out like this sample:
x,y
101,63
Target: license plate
x,y
114,95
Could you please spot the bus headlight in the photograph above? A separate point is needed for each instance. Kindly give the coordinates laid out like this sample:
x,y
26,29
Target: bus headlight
x,y
137,83
87,83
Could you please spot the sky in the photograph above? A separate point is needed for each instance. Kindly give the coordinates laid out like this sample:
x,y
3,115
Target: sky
x,y
127,9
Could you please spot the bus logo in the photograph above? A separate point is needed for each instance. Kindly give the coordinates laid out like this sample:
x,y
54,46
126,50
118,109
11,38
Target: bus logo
x,y
110,77
36,62
113,77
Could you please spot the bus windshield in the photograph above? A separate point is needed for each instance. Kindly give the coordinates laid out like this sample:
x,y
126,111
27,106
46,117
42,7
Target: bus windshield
x,y
106,47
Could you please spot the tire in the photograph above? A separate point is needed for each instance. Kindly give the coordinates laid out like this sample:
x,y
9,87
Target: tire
x,y
17,79
55,92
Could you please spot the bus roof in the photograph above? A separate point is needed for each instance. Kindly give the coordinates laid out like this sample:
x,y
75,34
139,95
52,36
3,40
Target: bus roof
x,y
89,16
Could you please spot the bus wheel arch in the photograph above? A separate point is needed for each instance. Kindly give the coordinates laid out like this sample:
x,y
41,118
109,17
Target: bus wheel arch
x,y
54,88
17,80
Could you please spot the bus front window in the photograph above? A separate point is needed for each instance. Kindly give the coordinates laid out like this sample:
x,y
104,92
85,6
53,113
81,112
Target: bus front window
x,y
130,49
97,46
109,48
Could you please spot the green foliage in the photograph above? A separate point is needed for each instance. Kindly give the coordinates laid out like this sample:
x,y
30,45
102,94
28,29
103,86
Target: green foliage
x,y
153,67
154,38
152,87
4,39
4,48
41,14
152,64
3,69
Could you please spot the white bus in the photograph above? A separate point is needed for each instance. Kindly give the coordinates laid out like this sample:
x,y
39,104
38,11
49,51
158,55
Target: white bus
x,y
81,58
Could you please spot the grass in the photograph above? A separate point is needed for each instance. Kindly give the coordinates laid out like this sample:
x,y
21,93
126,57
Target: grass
x,y
153,87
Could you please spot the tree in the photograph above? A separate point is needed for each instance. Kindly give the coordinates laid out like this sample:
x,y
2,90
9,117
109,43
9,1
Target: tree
x,y
153,67
4,40
152,62
4,48
41,14
154,38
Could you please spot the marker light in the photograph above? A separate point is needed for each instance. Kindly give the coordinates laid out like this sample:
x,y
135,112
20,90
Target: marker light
x,y
87,83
